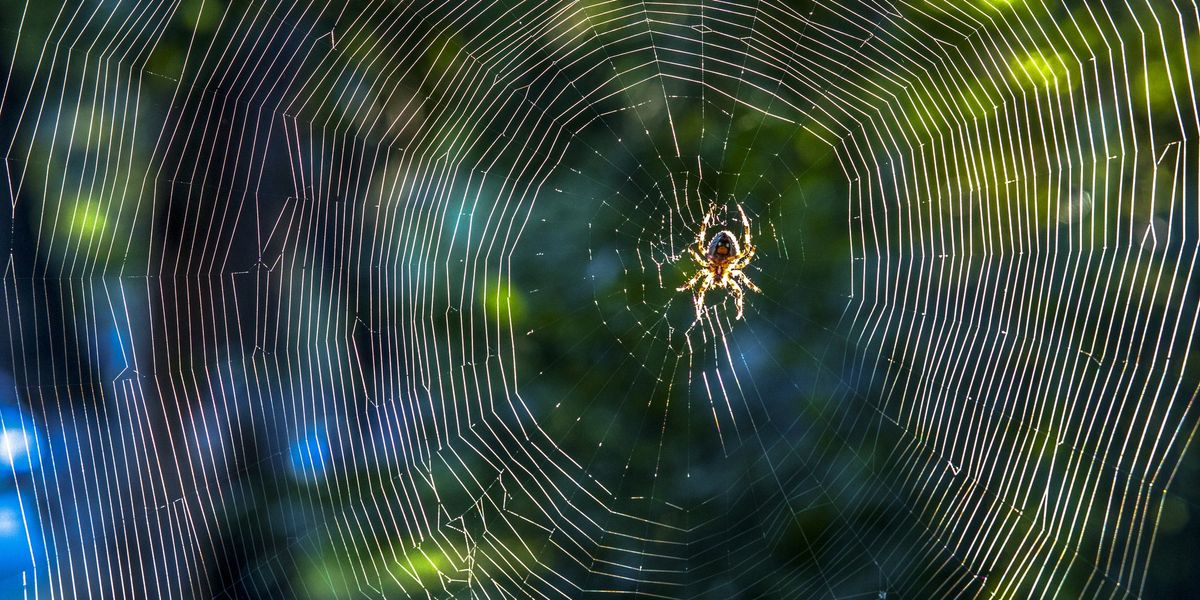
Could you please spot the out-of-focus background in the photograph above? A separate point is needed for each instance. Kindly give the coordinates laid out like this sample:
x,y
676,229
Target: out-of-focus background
x,y
376,299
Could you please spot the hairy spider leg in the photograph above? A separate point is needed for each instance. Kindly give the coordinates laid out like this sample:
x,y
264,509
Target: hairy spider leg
x,y
738,299
699,297
748,248
691,282
745,280
746,256
702,239
745,228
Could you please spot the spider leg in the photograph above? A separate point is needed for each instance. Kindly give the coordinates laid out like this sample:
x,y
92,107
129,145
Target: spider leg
x,y
745,280
738,299
742,260
699,297
698,257
748,254
748,249
702,238
746,229
691,282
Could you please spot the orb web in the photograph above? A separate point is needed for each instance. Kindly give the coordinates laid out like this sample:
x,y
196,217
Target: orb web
x,y
335,300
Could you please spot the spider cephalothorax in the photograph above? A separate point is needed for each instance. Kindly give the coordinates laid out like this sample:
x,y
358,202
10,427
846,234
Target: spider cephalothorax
x,y
721,261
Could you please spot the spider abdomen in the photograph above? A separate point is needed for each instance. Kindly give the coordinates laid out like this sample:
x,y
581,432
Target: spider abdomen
x,y
723,247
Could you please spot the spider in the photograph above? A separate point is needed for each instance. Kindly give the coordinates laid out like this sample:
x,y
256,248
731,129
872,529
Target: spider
x,y
721,262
